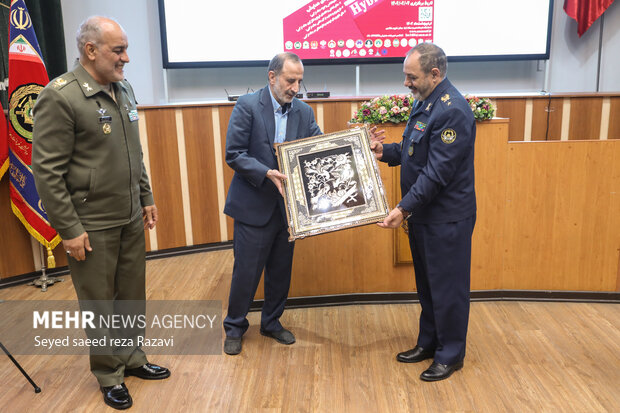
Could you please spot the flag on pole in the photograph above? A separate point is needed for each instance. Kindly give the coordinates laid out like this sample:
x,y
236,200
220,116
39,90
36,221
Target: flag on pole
x,y
585,12
27,76
4,143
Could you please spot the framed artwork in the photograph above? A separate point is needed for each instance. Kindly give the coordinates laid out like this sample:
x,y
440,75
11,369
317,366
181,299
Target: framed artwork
x,y
333,183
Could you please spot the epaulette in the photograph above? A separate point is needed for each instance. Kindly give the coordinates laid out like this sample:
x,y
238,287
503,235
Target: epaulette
x,y
62,81
446,99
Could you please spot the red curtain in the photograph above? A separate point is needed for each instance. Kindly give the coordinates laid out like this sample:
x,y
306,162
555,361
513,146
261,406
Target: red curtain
x,y
585,12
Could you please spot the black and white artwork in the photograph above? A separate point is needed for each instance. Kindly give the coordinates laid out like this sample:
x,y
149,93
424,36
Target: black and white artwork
x,y
331,182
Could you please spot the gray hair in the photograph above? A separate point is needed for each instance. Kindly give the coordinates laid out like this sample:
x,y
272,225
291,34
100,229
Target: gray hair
x,y
431,56
90,31
277,63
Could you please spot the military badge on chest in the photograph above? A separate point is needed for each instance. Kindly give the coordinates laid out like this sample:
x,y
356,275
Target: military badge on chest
x,y
105,120
419,125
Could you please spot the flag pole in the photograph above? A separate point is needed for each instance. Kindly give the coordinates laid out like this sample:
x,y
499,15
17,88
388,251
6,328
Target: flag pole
x,y
43,281
37,389
600,52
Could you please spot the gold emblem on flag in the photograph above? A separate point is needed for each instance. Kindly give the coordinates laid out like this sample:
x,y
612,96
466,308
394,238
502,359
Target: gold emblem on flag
x,y
21,105
20,19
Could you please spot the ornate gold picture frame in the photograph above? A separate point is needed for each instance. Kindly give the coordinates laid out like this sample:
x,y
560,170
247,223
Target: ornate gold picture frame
x,y
333,183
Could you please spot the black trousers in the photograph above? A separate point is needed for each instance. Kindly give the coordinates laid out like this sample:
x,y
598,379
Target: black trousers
x,y
257,249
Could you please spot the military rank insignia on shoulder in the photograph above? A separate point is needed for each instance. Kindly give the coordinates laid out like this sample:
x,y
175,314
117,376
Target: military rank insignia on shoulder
x,y
446,99
59,82
448,136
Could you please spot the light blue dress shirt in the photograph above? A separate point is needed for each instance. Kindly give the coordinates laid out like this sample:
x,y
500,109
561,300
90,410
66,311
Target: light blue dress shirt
x,y
280,119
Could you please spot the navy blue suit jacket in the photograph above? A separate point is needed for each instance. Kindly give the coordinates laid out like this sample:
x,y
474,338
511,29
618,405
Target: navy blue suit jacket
x,y
252,197
437,158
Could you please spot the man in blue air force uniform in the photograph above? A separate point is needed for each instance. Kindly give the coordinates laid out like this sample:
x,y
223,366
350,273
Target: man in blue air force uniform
x,y
254,201
439,206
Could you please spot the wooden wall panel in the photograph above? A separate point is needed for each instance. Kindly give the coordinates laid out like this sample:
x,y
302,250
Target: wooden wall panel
x,y
14,239
563,227
202,175
585,118
225,112
336,115
491,158
147,238
547,119
355,260
314,107
166,176
391,183
614,118
618,279
60,256
514,109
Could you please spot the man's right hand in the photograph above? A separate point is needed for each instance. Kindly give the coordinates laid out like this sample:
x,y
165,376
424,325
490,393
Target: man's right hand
x,y
377,148
277,177
77,247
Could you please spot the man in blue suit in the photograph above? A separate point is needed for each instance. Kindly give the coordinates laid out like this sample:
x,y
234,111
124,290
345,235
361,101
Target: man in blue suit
x,y
439,206
260,241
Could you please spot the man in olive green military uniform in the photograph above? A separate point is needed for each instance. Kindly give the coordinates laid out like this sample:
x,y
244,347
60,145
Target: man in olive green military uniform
x,y
87,164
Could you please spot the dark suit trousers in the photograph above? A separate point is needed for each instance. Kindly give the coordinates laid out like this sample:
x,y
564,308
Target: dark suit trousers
x,y
442,262
255,249
113,271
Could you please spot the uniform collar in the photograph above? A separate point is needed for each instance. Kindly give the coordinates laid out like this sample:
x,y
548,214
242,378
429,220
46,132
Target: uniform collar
x,y
438,92
88,84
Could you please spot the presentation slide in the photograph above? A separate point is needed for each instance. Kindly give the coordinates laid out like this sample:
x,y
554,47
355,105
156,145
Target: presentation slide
x,y
197,32
357,28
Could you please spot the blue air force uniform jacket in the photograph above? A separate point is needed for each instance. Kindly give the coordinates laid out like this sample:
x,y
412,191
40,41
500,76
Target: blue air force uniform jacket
x,y
437,158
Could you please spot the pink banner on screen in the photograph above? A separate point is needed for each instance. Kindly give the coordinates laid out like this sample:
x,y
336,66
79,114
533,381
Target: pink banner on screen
x,y
332,29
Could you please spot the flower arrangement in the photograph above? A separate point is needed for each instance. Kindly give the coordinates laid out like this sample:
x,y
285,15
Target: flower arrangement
x,y
383,109
483,108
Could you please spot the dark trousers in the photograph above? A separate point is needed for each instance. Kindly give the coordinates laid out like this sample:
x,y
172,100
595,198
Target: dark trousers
x,y
442,262
255,249
114,270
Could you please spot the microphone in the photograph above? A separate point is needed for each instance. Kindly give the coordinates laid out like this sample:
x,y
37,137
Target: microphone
x,y
231,98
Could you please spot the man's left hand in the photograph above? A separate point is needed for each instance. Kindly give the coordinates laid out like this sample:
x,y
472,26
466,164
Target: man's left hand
x,y
376,136
149,216
393,220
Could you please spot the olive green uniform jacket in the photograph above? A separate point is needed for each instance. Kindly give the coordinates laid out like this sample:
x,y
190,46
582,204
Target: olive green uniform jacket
x,y
86,155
